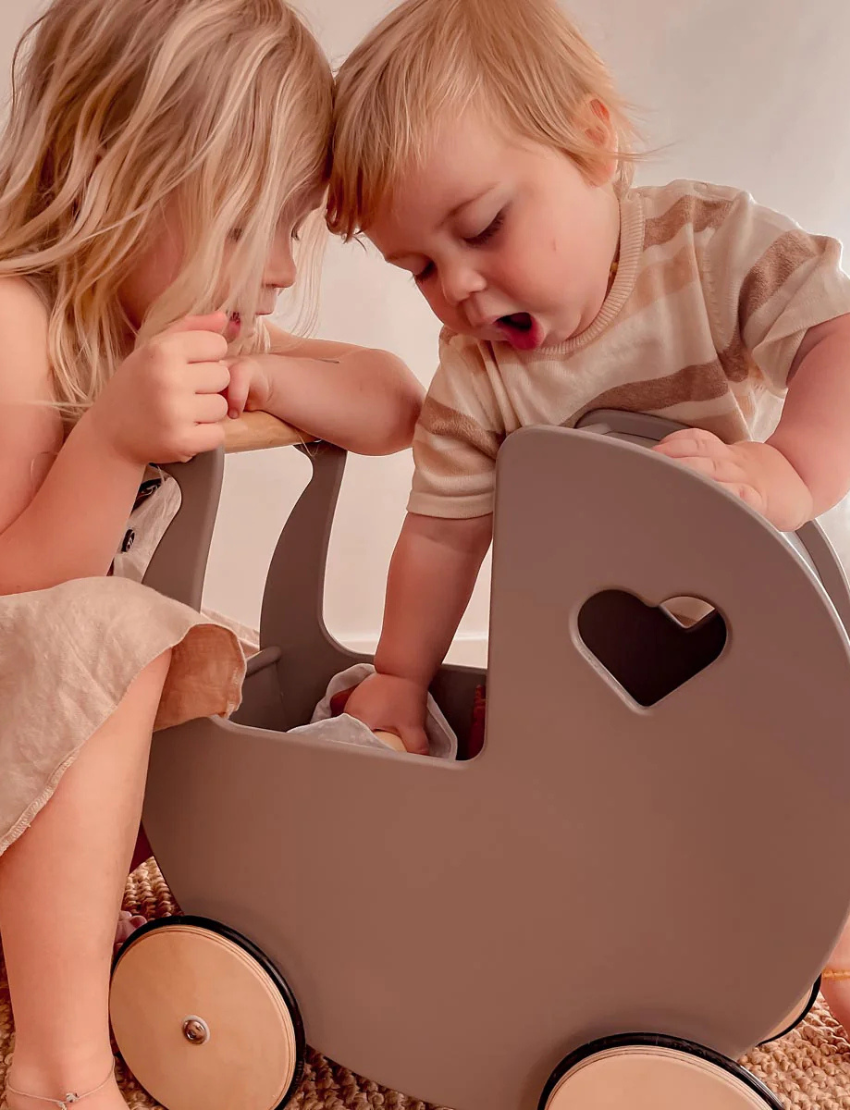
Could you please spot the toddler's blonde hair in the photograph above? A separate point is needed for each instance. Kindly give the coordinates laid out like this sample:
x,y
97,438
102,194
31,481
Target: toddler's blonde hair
x,y
521,61
221,107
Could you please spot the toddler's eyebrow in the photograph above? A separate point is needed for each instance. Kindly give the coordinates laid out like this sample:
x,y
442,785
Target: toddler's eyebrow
x,y
395,257
466,203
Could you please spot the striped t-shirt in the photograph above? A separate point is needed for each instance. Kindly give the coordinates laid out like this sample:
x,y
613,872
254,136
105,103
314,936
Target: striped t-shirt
x,y
711,300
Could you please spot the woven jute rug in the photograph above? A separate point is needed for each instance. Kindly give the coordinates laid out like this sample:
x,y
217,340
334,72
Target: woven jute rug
x,y
809,1069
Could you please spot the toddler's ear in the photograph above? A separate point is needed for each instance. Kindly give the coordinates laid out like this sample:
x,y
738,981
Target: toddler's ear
x,y
601,133
598,126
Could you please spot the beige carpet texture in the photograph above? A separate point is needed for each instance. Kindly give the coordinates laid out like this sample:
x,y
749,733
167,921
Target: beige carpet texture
x,y
809,1069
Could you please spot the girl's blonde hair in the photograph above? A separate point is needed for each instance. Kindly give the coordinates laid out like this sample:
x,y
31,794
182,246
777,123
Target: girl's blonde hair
x,y
222,107
521,61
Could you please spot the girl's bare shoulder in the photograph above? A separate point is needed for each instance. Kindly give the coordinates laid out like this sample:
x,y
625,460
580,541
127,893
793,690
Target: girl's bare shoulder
x,y
24,360
31,430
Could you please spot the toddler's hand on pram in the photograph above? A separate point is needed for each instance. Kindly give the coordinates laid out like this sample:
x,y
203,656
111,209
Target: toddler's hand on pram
x,y
758,473
389,704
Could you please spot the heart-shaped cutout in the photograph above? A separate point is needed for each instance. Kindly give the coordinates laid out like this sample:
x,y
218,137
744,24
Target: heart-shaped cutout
x,y
651,651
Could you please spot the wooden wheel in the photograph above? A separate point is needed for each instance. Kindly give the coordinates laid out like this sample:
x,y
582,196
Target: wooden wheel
x,y
643,1072
203,1020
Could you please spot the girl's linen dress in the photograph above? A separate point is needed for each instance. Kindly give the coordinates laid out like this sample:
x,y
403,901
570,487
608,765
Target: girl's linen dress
x,y
68,655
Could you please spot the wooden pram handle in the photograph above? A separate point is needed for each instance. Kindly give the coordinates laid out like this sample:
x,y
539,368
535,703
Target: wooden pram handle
x,y
257,431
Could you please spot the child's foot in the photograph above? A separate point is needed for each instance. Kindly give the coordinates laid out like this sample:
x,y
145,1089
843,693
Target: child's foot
x,y
106,1097
128,923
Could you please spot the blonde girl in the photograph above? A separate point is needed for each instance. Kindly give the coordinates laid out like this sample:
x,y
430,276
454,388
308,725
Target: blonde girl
x,y
159,159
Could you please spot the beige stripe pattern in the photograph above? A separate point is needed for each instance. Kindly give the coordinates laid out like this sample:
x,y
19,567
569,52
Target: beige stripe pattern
x,y
711,300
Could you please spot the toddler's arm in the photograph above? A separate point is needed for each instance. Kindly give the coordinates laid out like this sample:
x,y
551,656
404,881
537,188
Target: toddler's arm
x,y
814,432
366,401
777,302
804,468
433,571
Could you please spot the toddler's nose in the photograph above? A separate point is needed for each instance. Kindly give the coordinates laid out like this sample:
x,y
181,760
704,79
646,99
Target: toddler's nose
x,y
459,283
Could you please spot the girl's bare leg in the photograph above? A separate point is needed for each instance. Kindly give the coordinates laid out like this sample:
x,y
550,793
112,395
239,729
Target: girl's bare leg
x,y
61,886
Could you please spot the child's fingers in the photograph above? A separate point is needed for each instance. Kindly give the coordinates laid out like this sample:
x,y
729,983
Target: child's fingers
x,y
209,408
237,391
748,494
207,377
718,469
205,437
728,473
687,446
195,338
414,740
193,346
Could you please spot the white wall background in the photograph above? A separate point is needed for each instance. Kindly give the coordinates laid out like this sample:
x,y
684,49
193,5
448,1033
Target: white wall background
x,y
750,93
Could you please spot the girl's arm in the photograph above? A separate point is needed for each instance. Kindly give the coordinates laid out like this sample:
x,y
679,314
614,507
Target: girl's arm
x,y
63,509
64,506
366,401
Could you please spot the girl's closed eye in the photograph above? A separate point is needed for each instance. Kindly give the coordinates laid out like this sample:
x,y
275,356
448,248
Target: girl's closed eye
x,y
424,273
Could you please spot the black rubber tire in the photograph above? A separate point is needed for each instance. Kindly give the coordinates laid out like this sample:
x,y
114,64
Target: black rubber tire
x,y
650,1040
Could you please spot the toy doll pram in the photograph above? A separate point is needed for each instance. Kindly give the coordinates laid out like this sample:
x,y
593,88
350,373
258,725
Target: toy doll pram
x,y
594,911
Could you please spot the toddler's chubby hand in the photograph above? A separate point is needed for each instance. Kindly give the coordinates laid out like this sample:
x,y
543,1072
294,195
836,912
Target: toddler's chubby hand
x,y
389,704
756,472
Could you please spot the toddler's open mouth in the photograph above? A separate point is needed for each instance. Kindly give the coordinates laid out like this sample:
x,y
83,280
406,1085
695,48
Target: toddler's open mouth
x,y
521,330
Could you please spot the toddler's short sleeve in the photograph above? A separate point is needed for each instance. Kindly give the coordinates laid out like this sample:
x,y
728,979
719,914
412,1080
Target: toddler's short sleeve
x,y
767,282
458,437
